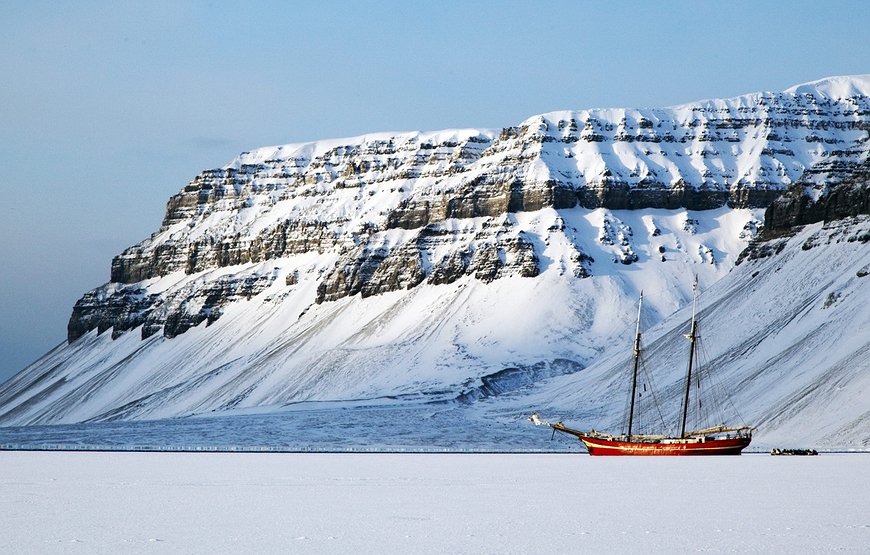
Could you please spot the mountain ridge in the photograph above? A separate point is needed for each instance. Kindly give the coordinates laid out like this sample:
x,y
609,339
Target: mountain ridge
x,y
334,196
430,265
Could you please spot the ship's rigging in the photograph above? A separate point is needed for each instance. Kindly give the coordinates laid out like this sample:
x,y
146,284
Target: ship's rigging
x,y
711,435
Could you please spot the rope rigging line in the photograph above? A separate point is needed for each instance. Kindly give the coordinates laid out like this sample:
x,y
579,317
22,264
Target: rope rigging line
x,y
723,396
652,389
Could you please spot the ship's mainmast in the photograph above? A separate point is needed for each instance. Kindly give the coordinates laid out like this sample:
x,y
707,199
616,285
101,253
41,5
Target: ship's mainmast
x,y
691,337
634,374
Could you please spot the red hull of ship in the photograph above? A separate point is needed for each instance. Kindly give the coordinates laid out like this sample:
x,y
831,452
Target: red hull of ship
x,y
612,447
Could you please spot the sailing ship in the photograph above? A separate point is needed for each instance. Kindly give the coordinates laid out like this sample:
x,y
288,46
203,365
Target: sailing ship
x,y
716,440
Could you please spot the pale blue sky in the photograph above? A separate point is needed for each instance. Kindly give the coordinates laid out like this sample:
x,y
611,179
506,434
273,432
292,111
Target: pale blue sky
x,y
108,108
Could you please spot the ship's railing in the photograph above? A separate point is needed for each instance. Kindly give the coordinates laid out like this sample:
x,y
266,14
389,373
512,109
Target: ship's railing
x,y
742,431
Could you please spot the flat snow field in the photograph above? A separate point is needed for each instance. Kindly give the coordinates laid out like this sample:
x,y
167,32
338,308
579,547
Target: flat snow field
x,y
114,502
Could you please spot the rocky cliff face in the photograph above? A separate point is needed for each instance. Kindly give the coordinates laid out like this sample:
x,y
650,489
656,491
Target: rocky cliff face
x,y
389,212
835,193
823,195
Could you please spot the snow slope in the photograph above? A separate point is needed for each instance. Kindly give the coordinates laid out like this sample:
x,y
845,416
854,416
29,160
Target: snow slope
x,y
280,347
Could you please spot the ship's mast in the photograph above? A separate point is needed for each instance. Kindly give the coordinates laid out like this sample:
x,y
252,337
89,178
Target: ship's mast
x,y
634,374
691,337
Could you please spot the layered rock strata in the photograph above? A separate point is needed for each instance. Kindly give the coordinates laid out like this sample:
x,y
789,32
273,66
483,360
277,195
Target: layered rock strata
x,y
835,194
395,211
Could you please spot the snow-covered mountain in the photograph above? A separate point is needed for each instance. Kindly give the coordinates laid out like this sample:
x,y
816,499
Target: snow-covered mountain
x,y
467,264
